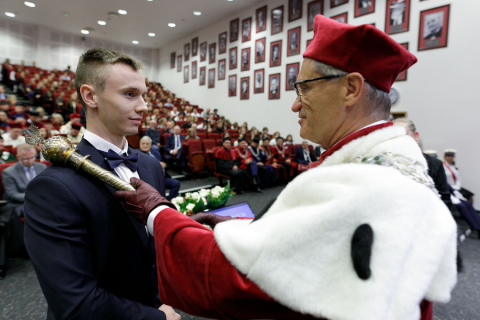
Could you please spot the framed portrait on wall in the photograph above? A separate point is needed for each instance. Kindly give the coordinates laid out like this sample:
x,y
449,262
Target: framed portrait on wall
x,y
397,18
245,65
295,8
194,69
212,48
232,85
261,18
276,53
291,75
221,69
211,78
277,20
185,74
314,8
186,51
173,56
363,7
274,86
336,3
244,88
403,75
179,63
203,51
258,80
260,50
308,42
234,30
293,45
203,71
232,60
194,47
246,29
222,42
342,17
433,31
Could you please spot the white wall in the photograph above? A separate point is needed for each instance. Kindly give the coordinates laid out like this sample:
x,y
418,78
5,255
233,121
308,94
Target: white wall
x,y
53,49
440,94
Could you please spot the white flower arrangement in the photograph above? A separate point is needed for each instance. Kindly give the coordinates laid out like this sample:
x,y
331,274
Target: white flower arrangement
x,y
196,202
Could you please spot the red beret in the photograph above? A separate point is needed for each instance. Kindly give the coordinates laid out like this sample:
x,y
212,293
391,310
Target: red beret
x,y
75,115
363,49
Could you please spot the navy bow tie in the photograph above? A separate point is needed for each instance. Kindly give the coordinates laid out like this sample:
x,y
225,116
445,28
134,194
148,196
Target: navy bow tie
x,y
114,159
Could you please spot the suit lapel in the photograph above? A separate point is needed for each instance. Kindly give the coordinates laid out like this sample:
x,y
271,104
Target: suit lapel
x,y
21,173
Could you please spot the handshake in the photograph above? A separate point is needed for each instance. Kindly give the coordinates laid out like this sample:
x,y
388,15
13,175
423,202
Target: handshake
x,y
141,202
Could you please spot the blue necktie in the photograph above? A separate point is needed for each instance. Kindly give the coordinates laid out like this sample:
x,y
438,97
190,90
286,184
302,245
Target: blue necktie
x,y
114,159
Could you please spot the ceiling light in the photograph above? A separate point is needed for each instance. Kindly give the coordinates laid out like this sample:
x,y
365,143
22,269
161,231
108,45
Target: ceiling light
x,y
172,25
197,13
9,14
101,22
85,31
151,34
149,0
122,11
135,42
229,0
29,4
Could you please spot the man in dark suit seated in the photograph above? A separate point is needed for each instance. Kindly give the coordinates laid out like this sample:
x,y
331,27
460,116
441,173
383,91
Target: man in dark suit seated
x,y
174,150
303,154
171,184
92,259
154,134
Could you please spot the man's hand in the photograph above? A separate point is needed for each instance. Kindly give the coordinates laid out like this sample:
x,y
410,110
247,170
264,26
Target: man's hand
x,y
235,168
288,161
143,200
260,164
174,152
209,218
248,161
169,312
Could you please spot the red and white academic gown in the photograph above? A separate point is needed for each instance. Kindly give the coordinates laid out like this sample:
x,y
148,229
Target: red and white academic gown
x,y
235,152
296,258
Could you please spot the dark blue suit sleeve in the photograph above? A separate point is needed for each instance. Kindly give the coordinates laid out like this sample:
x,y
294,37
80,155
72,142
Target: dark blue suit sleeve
x,y
299,156
61,249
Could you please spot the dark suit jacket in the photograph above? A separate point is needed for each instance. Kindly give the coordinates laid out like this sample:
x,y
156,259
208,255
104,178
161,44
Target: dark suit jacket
x,y
92,259
154,135
437,173
170,145
301,157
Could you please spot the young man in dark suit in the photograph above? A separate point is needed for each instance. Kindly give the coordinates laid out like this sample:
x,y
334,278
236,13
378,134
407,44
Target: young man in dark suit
x,y
94,261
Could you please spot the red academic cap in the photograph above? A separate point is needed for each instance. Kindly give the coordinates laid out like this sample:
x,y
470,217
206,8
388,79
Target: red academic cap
x,y
76,126
75,115
15,125
363,49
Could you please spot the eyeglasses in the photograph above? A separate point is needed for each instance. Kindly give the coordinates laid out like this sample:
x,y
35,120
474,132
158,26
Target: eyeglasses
x,y
296,83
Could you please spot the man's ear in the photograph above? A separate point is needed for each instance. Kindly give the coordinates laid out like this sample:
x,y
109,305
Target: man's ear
x,y
354,84
88,95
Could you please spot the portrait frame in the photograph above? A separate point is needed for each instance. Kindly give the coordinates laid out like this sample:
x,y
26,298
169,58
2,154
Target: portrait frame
x,y
392,21
274,95
186,51
360,10
194,47
341,16
276,19
288,83
308,42
402,76
232,64
232,93
245,96
194,69
234,25
203,71
260,57
243,66
246,34
276,62
203,51
311,15
179,63
336,3
212,56
186,75
258,27
261,88
221,76
295,10
173,57
434,39
291,33
211,78
222,42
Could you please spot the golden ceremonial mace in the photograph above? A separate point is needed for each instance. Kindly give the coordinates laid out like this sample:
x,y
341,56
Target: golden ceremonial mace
x,y
60,151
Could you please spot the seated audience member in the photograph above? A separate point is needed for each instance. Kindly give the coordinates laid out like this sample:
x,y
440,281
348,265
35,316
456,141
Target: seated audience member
x,y
5,155
71,106
266,172
273,141
3,120
49,127
206,113
3,95
282,157
13,137
48,100
265,131
76,133
65,76
225,165
170,125
188,123
34,118
219,126
225,134
74,118
172,185
174,150
303,154
240,136
19,112
154,134
180,117
192,134
288,140
195,113
215,113
169,103
60,102
57,121
162,123
203,125
244,160
235,126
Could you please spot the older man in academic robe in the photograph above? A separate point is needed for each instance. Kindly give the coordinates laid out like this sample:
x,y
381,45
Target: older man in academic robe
x,y
267,173
244,160
225,165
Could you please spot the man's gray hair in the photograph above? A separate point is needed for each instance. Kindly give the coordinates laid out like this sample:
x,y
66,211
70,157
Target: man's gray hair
x,y
24,148
378,101
146,138
408,122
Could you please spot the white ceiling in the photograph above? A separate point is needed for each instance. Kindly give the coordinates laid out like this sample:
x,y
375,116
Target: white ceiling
x,y
143,17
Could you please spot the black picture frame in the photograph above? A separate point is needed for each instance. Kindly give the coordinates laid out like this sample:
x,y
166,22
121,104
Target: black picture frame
x,y
363,7
212,52
179,63
245,60
293,44
261,19
203,51
313,8
259,81
342,17
222,42
260,50
194,69
291,73
397,16
232,58
222,69
245,88
203,76
232,85
336,3
211,78
277,20
234,27
194,47
295,10
186,51
186,75
402,76
274,86
276,53
173,57
246,29
433,30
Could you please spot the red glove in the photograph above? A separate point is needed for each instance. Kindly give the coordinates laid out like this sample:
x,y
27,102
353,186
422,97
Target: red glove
x,y
143,200
209,218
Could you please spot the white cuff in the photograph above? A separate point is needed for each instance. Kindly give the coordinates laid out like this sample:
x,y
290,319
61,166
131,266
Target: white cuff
x,y
171,151
152,216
